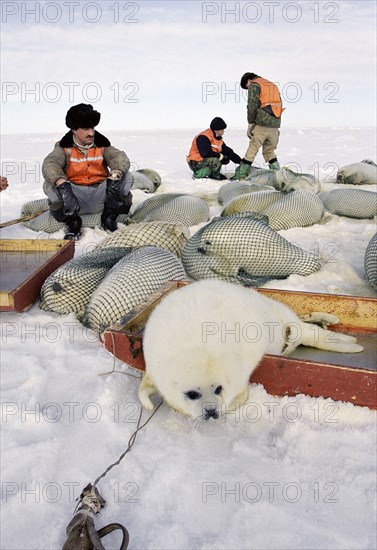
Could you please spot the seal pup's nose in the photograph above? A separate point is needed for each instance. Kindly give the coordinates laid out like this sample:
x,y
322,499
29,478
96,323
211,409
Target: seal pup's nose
x,y
211,413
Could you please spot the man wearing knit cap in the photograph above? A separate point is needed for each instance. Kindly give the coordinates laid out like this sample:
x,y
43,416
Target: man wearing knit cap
x,y
85,174
264,109
208,152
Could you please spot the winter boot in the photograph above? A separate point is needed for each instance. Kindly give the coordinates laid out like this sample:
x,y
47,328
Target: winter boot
x,y
74,224
274,165
242,171
219,177
204,172
113,205
109,220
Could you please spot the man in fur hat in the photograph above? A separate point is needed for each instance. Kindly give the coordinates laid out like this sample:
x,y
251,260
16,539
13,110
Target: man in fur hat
x,y
208,152
264,110
86,174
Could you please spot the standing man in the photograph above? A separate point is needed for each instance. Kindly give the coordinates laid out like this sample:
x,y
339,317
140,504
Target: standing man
x,y
264,109
208,152
84,174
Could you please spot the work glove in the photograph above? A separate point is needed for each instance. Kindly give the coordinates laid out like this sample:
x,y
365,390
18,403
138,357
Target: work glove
x,y
68,198
115,175
250,129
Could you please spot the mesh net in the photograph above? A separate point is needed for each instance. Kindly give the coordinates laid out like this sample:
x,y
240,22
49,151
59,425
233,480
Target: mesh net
x,y
231,190
68,289
353,203
370,261
170,236
296,209
173,208
300,208
128,283
244,250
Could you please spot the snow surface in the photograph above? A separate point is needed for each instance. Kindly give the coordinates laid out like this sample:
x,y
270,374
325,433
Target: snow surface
x,y
283,473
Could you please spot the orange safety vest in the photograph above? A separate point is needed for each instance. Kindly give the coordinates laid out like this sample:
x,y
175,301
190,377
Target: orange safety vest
x,y
270,95
216,145
85,170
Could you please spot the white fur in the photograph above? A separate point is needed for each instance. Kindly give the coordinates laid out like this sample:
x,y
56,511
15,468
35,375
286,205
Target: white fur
x,y
210,336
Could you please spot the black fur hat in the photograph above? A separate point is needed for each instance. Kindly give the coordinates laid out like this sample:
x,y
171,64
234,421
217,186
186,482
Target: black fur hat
x,y
82,116
245,78
217,124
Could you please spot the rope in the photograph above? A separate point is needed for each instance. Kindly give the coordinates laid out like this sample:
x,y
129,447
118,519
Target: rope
x,y
130,442
139,377
81,530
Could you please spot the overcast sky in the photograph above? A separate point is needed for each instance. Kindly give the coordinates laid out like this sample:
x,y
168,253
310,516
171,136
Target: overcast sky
x,y
177,64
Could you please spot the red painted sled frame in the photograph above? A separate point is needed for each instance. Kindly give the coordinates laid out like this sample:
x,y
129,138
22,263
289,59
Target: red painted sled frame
x,y
46,254
344,377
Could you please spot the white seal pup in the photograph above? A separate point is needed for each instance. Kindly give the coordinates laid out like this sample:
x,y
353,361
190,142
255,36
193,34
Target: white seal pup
x,y
203,341
358,173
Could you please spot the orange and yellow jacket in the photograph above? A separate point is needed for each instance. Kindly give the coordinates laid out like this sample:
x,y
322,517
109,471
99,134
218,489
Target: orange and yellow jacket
x,y
83,167
206,145
264,104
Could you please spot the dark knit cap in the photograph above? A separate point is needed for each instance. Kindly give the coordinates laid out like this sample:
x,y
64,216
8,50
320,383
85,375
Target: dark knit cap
x,y
82,116
217,124
245,78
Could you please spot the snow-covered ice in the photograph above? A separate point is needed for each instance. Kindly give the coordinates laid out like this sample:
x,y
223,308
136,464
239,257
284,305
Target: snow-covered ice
x,y
282,473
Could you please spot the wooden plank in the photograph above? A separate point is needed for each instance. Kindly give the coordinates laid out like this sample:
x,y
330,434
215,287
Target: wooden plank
x,y
6,301
354,312
36,260
284,376
9,246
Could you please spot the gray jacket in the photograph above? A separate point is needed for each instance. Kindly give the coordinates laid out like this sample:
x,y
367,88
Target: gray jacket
x,y
55,164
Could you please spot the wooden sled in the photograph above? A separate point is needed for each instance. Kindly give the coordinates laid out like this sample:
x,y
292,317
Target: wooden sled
x,y
25,265
343,377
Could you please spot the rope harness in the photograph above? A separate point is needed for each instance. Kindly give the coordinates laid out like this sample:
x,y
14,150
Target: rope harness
x,y
81,531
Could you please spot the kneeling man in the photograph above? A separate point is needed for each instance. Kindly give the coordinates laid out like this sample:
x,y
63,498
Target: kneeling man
x,y
208,152
84,174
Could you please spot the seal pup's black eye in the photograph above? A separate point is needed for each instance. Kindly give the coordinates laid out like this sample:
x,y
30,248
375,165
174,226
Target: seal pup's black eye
x,y
57,287
193,395
218,390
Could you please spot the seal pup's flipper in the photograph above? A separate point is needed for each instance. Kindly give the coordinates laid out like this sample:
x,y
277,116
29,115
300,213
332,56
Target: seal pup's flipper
x,y
314,336
248,279
146,390
320,318
240,399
